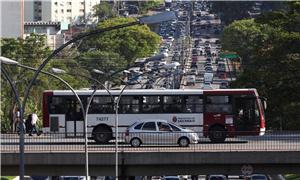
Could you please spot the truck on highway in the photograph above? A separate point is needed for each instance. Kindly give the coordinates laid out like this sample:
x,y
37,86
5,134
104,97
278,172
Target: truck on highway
x,y
190,80
208,77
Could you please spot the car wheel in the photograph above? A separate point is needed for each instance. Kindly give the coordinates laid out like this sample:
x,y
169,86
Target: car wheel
x,y
217,134
135,142
102,134
183,142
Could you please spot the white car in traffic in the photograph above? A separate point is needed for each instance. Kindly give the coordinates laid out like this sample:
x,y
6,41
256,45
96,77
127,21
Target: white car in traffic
x,y
157,132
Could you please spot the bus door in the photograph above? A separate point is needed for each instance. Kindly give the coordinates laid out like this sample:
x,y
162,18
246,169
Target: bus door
x,y
246,116
218,113
74,118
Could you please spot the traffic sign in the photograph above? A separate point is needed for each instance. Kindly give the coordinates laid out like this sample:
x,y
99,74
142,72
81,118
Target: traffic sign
x,y
247,169
229,56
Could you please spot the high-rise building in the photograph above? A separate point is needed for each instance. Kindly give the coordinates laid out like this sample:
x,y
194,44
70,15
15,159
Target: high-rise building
x,y
65,11
11,19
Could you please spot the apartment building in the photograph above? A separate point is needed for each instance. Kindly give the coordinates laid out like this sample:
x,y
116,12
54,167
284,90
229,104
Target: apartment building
x,y
67,11
52,31
11,19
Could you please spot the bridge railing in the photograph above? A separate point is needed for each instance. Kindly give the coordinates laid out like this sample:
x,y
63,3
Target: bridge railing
x,y
152,142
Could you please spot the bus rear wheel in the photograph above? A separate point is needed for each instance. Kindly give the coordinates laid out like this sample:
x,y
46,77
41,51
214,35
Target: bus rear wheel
x,y
217,134
102,134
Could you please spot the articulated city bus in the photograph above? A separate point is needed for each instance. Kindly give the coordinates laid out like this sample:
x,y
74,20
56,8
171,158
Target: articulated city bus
x,y
215,114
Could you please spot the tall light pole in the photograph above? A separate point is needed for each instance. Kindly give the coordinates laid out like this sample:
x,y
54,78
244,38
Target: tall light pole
x,y
21,114
157,18
116,108
61,71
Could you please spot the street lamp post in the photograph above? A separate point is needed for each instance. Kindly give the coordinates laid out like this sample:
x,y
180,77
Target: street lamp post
x,y
157,18
84,111
21,114
116,108
61,71
20,117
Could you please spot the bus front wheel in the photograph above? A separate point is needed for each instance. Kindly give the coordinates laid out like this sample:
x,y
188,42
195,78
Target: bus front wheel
x,y
102,134
217,134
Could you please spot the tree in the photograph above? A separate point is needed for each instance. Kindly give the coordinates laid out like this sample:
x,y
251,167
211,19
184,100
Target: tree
x,y
30,51
246,37
102,60
269,47
104,10
130,43
230,11
145,6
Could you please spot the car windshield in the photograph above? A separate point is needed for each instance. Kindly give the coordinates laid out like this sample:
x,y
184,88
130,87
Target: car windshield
x,y
258,177
216,178
175,126
172,178
132,125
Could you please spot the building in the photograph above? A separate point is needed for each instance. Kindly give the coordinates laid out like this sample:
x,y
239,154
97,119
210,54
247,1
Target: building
x,y
11,19
64,11
14,13
52,30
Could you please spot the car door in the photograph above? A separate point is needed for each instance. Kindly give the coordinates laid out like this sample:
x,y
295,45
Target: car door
x,y
149,133
165,133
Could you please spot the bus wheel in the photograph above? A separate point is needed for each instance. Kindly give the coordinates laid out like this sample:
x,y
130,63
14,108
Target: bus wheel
x,y
217,134
102,134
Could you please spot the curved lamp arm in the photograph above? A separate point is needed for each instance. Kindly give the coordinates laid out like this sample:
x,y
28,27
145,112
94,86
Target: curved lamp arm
x,y
60,79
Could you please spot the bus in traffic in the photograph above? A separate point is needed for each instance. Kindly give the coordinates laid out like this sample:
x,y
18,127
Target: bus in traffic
x,y
215,114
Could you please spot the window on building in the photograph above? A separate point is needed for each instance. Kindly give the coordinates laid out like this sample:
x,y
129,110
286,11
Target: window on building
x,y
38,3
81,10
62,11
70,3
55,3
69,10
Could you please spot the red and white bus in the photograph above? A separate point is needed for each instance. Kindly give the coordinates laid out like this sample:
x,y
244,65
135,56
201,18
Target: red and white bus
x,y
215,114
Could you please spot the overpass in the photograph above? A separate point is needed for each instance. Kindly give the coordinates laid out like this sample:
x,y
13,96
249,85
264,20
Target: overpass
x,y
51,154
152,163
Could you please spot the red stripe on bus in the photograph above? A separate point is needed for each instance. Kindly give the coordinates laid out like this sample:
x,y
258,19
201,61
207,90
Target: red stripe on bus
x,y
45,108
238,92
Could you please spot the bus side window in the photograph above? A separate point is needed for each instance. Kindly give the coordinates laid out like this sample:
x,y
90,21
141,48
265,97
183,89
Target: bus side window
x,y
193,104
151,104
172,104
218,104
57,105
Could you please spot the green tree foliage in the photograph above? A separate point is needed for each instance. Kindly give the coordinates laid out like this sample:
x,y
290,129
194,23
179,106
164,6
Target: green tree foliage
x,y
104,61
130,43
269,47
232,10
104,10
31,51
145,6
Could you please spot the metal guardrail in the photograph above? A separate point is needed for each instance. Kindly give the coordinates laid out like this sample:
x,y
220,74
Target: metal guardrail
x,y
163,141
